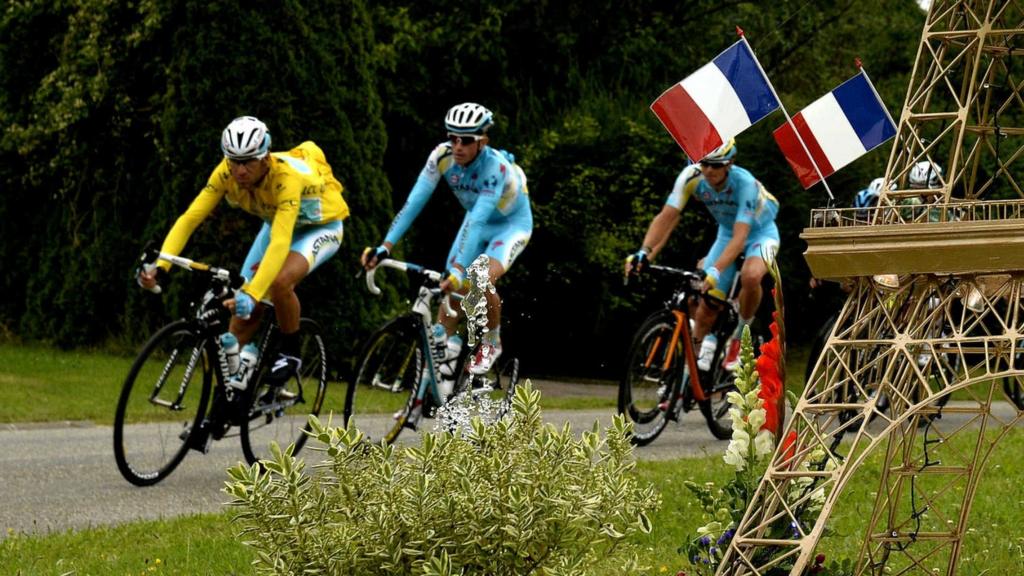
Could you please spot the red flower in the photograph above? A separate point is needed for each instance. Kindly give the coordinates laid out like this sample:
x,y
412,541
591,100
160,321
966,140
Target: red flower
x,y
789,447
770,374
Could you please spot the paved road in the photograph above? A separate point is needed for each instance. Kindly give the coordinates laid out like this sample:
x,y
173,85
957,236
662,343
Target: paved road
x,y
62,475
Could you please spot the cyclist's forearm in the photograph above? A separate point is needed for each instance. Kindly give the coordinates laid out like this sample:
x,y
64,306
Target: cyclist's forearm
x,y
660,230
418,197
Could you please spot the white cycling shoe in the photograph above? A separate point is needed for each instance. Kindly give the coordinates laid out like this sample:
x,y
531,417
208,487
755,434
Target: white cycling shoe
x,y
485,357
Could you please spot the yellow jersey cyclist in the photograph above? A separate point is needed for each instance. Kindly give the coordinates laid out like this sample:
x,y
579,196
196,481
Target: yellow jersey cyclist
x,y
299,200
745,212
499,222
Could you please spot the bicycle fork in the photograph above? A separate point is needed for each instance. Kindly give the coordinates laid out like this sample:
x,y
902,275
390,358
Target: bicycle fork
x,y
682,328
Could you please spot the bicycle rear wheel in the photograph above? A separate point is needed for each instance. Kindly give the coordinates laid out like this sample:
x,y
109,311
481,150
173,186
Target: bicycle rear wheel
x,y
163,399
383,392
281,414
650,389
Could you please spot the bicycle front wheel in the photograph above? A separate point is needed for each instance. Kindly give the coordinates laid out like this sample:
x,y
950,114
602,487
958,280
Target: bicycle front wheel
x,y
715,407
383,392
163,399
650,388
281,414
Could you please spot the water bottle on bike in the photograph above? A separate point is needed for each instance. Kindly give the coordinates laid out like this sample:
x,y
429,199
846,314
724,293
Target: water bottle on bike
x,y
229,355
439,352
246,364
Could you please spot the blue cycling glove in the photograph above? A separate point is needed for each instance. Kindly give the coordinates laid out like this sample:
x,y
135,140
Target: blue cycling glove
x,y
244,305
375,255
635,262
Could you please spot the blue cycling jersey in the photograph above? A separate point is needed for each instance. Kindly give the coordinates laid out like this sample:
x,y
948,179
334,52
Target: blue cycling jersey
x,y
492,189
742,199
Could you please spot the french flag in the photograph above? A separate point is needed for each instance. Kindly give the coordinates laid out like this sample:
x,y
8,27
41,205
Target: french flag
x,y
721,99
837,128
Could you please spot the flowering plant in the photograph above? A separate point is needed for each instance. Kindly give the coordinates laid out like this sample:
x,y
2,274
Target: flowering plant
x,y
758,419
758,416
755,420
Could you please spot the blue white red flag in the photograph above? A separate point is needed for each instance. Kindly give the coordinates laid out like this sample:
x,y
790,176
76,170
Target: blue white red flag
x,y
718,101
836,129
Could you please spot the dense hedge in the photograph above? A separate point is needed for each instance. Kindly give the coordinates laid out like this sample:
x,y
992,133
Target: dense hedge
x,y
111,111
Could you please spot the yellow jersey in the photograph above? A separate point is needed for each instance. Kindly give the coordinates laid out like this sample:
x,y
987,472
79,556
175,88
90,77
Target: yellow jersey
x,y
298,190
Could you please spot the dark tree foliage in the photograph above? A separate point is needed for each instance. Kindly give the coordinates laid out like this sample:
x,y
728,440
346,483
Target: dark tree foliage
x,y
115,125
111,113
570,84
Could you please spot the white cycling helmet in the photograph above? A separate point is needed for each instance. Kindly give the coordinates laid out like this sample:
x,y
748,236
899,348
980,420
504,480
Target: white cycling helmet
x,y
875,187
721,155
245,138
468,118
924,174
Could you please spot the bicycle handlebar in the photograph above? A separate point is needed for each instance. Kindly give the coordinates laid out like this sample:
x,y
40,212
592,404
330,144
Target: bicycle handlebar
x,y
432,275
150,256
691,275
694,277
371,284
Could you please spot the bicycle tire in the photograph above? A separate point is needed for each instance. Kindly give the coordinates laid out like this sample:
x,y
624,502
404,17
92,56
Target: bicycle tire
x,y
282,414
818,345
715,408
380,397
149,442
1014,391
649,391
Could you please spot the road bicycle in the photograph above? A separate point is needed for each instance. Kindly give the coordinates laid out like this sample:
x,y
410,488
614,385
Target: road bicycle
x,y
662,379
174,397
398,379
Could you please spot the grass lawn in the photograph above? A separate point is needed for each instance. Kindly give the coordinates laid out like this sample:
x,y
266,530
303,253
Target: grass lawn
x,y
39,384
207,544
45,384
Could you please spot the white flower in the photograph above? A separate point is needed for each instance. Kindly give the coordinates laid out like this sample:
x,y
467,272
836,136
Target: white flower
x,y
756,418
735,458
737,418
736,453
734,398
764,443
751,399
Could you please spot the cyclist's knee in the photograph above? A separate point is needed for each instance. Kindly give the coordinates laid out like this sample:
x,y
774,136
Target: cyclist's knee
x,y
752,273
496,270
281,289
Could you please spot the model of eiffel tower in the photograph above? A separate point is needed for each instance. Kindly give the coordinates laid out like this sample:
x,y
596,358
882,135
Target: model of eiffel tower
x,y
937,308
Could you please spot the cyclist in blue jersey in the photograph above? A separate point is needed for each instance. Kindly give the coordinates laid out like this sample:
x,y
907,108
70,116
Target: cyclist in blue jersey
x,y
745,213
498,221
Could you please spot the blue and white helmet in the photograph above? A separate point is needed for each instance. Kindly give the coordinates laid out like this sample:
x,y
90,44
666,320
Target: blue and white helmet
x,y
868,197
924,174
468,118
245,138
723,154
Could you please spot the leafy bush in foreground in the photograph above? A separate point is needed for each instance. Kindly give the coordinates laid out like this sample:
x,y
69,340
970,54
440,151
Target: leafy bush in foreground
x,y
517,497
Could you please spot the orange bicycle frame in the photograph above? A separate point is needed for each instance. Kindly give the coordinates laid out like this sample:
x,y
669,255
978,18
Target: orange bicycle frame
x,y
683,328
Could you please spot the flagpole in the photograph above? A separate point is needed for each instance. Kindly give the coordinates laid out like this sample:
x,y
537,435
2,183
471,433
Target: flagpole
x,y
788,119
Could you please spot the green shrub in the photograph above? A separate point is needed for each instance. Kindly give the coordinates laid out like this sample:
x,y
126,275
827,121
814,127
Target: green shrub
x,y
517,497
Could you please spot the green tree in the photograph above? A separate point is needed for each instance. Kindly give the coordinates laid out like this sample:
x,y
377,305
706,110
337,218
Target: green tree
x,y
117,130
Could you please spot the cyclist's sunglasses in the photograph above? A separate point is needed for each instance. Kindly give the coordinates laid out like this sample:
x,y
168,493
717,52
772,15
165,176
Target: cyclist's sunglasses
x,y
464,139
713,164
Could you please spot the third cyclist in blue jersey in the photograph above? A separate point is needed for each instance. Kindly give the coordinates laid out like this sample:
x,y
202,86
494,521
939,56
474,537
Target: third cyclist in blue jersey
x,y
745,213
492,188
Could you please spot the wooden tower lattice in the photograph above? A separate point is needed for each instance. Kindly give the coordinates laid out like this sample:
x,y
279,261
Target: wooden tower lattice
x,y
937,307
